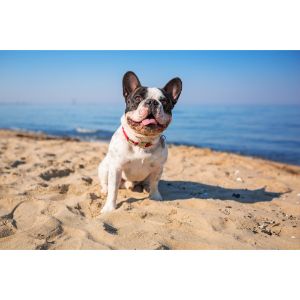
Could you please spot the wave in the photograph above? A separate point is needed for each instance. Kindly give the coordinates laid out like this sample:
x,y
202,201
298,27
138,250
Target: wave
x,y
90,134
85,130
79,132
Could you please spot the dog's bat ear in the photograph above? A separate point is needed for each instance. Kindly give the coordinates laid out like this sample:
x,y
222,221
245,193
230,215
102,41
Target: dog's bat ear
x,y
174,88
130,83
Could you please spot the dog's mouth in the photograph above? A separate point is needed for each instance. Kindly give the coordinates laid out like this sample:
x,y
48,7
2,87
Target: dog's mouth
x,y
149,122
148,126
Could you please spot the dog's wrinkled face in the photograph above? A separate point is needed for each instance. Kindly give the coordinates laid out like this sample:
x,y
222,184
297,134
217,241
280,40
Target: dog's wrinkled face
x,y
149,110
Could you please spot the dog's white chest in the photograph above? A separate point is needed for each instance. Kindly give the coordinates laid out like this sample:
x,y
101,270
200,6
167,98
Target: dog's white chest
x,y
138,167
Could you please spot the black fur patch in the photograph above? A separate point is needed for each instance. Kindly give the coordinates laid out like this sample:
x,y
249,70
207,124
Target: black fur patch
x,y
167,102
133,101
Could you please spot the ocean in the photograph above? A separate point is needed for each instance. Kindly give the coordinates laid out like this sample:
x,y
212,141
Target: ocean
x,y
271,132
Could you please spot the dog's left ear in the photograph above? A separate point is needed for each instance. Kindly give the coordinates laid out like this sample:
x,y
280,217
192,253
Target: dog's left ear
x,y
130,83
174,88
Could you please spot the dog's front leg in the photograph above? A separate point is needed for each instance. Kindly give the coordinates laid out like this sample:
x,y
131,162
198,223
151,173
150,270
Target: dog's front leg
x,y
114,178
154,178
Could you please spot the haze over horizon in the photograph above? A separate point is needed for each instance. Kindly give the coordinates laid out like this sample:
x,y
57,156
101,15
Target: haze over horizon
x,y
209,77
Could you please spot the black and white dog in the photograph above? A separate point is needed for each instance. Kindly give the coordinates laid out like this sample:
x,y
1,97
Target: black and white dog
x,y
137,151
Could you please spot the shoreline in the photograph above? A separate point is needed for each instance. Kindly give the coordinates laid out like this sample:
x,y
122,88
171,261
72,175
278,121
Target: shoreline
x,y
50,199
46,136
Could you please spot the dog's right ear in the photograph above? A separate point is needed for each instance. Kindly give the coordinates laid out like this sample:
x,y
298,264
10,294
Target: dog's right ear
x,y
130,83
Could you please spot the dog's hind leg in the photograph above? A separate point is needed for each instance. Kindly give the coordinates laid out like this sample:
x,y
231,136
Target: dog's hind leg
x,y
131,185
125,184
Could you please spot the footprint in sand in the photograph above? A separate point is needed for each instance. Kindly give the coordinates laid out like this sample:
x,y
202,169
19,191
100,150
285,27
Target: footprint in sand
x,y
50,155
54,173
76,210
87,179
7,227
27,217
17,163
87,208
63,188
47,230
162,247
110,228
8,224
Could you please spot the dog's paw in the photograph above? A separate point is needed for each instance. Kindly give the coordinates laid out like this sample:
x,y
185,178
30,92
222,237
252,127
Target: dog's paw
x,y
107,208
156,196
129,185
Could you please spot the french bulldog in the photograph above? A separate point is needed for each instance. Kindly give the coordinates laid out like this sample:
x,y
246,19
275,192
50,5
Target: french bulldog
x,y
137,150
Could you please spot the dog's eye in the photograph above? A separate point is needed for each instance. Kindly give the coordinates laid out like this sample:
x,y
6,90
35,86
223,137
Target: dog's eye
x,y
138,98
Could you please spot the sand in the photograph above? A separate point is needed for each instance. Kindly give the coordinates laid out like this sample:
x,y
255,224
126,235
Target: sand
x,y
50,199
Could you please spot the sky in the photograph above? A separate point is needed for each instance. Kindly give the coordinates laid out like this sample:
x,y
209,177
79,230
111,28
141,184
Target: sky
x,y
209,77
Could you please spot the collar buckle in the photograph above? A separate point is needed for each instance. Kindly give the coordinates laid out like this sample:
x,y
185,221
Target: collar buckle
x,y
144,144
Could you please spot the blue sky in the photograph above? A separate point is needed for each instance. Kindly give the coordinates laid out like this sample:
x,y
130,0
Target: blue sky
x,y
209,77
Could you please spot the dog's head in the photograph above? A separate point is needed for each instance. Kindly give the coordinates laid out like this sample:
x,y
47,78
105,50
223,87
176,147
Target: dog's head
x,y
149,110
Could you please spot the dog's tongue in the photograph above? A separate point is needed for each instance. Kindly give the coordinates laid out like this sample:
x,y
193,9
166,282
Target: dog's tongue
x,y
149,121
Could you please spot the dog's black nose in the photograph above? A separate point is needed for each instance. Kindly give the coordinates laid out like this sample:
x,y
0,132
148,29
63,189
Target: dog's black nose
x,y
152,102
155,103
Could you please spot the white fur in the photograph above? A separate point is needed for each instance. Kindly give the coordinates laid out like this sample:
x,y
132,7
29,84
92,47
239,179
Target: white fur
x,y
131,163
154,93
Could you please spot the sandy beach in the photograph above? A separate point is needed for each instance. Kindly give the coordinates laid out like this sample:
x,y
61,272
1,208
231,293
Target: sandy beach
x,y
50,199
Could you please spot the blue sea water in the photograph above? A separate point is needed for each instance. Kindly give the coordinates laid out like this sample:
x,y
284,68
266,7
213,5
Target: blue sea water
x,y
271,132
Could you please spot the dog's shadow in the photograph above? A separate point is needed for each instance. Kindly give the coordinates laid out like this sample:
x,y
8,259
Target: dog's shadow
x,y
184,190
